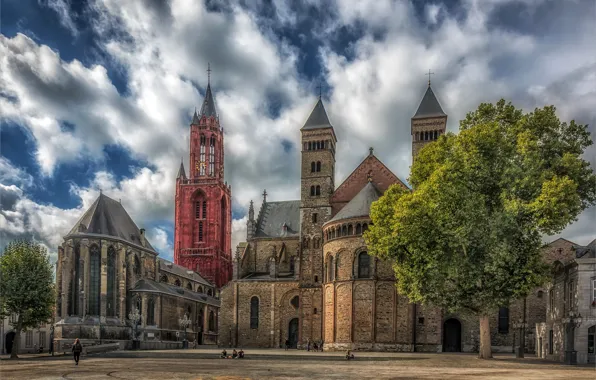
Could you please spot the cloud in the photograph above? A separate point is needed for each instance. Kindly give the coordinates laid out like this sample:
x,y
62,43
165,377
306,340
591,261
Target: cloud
x,y
62,8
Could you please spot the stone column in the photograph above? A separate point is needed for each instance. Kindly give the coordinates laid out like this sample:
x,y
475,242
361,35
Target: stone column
x,y
158,313
122,283
144,310
84,258
66,280
59,289
104,280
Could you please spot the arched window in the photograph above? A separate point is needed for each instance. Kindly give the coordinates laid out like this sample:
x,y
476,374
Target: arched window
x,y
137,265
204,210
198,210
331,270
212,321
364,227
315,311
254,312
224,217
189,286
200,289
295,301
316,278
312,191
151,311
350,230
212,156
94,280
209,292
363,265
344,230
177,282
202,156
111,285
436,135
318,166
164,279
503,320
74,301
309,145
358,229
313,167
318,190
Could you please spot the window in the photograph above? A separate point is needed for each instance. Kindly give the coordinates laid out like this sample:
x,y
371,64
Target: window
x,y
550,342
316,278
204,209
503,320
594,289
315,311
212,156
201,231
177,282
591,333
363,265
137,265
330,269
318,190
202,156
314,217
312,191
350,229
29,339
295,301
151,311
571,296
164,279
189,286
551,300
358,229
74,304
254,313
198,210
212,321
94,279
540,294
313,167
209,292
42,339
111,285
318,166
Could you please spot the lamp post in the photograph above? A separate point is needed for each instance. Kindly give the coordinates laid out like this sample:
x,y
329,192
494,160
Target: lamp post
x,y
184,323
572,322
134,317
521,326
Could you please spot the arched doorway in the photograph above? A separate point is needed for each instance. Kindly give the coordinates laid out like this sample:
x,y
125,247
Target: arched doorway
x,y
452,335
8,341
293,333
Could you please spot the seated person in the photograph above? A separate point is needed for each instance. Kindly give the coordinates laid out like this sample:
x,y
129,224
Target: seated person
x,y
315,346
349,355
240,354
224,354
234,354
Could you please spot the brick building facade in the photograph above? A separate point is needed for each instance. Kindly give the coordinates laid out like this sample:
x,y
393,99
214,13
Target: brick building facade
x,y
203,208
304,272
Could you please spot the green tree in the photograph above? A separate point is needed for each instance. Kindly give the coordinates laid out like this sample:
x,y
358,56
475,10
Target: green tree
x,y
26,287
467,238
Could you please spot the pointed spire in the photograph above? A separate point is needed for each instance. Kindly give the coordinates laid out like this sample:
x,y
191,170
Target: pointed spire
x,y
318,117
429,106
208,107
181,172
251,211
195,118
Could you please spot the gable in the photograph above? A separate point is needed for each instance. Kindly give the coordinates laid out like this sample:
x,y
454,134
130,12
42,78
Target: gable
x,y
381,177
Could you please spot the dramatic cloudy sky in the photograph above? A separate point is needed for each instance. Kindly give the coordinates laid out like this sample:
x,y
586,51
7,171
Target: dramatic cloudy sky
x,y
99,95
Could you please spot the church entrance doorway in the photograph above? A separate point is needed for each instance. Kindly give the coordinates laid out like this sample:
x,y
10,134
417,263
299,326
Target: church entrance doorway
x,y
293,333
452,335
9,341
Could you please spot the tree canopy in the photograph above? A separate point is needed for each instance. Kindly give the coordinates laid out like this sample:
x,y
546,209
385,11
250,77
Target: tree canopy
x,y
468,235
26,286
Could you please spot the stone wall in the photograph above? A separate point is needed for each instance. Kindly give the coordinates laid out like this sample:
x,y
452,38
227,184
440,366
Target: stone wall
x,y
426,125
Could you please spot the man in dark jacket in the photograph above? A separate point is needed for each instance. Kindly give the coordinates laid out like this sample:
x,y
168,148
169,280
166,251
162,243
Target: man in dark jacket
x,y
77,348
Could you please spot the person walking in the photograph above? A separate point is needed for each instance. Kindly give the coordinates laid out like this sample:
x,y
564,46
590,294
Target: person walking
x,y
287,344
77,348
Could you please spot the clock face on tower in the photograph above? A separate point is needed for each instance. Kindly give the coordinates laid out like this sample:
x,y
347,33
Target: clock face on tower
x,y
200,165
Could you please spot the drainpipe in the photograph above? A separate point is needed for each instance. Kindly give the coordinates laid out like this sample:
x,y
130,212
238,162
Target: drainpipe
x,y
414,311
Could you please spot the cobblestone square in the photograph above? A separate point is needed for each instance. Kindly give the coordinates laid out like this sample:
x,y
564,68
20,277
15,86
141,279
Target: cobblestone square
x,y
279,364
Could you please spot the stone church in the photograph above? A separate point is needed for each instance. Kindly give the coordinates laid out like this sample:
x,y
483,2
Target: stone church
x,y
304,273
107,271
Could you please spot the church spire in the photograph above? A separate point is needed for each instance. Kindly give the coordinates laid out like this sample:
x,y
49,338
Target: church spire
x,y
429,106
208,107
181,172
318,117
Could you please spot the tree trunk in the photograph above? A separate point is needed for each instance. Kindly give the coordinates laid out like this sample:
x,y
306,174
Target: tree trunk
x,y
485,351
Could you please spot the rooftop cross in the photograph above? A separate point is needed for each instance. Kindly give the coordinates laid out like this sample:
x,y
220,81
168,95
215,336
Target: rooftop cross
x,y
264,196
208,73
320,88
429,74
370,150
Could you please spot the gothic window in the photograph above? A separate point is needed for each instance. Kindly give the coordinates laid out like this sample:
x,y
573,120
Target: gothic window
x,y
330,270
318,190
223,224
344,230
151,311
571,296
204,210
350,230
202,155
363,265
254,312
137,265
550,342
295,301
74,304
177,282
201,231
358,229
318,166
503,320
200,289
164,279
292,264
209,292
94,279
313,167
364,227
436,135
314,217
111,278
312,191
197,210
212,156
189,286
211,321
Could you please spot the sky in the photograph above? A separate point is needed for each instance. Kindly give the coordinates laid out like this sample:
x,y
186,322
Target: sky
x,y
99,95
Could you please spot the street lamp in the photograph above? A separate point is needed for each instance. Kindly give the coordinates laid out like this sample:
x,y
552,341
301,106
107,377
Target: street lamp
x,y
572,322
521,326
184,323
134,317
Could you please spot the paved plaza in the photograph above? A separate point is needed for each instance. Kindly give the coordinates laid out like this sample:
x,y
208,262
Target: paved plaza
x,y
279,364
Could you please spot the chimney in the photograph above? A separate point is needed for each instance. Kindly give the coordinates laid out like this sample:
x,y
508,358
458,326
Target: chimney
x,y
142,237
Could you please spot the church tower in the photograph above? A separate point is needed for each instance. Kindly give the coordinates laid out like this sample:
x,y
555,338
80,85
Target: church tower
x,y
429,122
317,186
203,217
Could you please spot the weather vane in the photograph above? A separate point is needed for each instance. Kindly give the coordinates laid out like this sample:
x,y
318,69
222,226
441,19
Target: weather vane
x,y
320,88
208,73
429,74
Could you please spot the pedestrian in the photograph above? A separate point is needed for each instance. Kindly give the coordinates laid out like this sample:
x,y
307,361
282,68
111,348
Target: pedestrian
x,y
349,355
308,345
287,344
224,354
77,348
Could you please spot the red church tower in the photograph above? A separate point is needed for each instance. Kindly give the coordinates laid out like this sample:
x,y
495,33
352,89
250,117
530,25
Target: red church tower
x,y
203,216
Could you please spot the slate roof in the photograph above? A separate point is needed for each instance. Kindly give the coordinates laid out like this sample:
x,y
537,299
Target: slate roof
x,y
147,285
272,217
195,118
318,117
589,251
181,172
108,217
208,107
359,206
179,270
429,106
